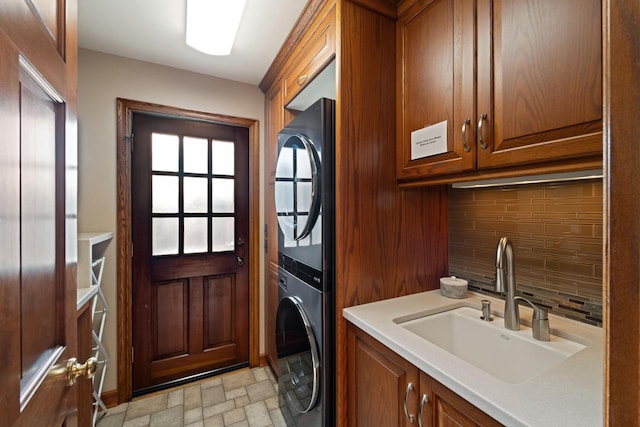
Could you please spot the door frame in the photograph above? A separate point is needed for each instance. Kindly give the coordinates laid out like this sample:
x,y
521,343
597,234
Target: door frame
x,y
124,113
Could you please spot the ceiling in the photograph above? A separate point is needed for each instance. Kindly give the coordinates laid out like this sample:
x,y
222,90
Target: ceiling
x,y
154,31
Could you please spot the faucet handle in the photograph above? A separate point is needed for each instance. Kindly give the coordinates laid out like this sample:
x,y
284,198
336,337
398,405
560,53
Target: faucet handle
x,y
539,322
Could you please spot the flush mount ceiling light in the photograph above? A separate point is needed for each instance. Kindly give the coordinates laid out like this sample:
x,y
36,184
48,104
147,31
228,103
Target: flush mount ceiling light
x,y
212,24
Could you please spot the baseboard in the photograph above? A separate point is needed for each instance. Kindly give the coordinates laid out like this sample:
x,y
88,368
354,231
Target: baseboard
x,y
110,398
263,360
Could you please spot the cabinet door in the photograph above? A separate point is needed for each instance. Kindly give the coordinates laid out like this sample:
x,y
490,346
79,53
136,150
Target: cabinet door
x,y
435,59
271,308
379,384
445,408
539,81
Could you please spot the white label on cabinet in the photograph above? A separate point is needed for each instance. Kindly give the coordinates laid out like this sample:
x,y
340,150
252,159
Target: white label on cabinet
x,y
429,141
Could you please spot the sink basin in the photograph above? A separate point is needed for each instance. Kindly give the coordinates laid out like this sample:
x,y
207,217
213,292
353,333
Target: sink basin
x,y
511,356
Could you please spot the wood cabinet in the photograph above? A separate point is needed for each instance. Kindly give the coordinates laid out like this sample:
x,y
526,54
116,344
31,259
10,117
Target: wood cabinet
x,y
446,408
381,384
381,237
314,52
385,389
271,308
519,84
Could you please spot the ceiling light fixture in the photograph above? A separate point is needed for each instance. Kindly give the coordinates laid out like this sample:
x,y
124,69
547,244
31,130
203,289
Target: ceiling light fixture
x,y
212,24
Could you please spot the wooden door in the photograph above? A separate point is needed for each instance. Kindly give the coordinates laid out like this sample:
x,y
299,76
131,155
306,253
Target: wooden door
x,y
38,183
190,245
435,57
380,384
539,81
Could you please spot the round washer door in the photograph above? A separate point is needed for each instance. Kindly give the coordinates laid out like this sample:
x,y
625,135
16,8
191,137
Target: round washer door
x,y
298,357
297,187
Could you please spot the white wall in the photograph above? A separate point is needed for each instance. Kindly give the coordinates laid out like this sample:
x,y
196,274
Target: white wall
x,y
101,79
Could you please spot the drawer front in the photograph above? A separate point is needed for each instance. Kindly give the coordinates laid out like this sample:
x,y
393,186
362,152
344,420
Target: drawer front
x,y
315,53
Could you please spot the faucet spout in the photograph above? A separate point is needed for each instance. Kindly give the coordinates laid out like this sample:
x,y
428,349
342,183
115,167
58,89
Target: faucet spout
x,y
506,282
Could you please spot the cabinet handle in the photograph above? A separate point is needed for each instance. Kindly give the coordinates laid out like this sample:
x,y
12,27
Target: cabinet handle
x,y
425,399
302,79
464,134
409,416
483,144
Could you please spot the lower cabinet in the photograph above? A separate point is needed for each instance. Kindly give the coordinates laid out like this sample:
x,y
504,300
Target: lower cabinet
x,y
386,390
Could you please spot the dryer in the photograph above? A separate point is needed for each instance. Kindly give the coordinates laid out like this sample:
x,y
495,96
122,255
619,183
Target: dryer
x,y
304,193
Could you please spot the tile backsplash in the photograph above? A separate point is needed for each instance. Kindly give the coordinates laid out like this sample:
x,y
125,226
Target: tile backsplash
x,y
556,230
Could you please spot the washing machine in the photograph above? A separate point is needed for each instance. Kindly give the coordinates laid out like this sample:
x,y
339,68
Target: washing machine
x,y
304,192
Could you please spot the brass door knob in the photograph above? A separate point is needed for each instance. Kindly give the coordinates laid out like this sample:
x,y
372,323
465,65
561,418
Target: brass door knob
x,y
75,370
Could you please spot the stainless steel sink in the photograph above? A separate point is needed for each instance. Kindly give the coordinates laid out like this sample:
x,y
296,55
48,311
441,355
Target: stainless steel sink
x,y
511,356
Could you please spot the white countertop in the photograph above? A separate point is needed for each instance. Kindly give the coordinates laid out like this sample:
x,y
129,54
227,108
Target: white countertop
x,y
569,394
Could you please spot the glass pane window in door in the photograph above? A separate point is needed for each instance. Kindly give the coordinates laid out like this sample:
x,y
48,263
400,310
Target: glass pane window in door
x,y
196,195
195,155
222,157
164,236
223,234
164,152
195,235
222,195
164,194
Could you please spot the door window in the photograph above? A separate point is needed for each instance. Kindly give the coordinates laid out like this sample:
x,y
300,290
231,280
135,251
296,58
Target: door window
x,y
192,188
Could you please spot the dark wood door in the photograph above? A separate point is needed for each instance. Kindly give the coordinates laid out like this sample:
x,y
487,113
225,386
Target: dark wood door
x,y
380,384
435,57
190,244
539,80
38,229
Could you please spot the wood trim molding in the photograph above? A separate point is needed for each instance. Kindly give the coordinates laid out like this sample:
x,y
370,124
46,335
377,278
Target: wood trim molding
x,y
124,111
110,398
309,13
621,268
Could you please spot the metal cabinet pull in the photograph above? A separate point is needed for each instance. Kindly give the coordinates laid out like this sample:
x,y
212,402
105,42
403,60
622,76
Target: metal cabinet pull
x,y
409,416
425,399
464,134
483,144
302,79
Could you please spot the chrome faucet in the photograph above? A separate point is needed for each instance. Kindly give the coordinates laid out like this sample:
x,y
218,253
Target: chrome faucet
x,y
511,312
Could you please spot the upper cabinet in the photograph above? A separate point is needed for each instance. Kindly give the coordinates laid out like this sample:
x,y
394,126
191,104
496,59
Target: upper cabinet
x,y
314,52
518,84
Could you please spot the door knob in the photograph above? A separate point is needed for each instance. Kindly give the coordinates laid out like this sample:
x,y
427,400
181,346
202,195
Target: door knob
x,y
239,260
240,241
75,369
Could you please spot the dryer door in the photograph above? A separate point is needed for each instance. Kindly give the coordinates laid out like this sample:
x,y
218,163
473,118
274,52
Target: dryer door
x,y
297,187
298,357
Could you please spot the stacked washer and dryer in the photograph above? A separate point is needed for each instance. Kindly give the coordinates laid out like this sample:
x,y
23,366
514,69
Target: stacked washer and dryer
x,y
304,193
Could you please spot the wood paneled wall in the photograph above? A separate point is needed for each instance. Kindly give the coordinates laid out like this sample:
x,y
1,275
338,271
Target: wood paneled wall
x,y
389,241
622,204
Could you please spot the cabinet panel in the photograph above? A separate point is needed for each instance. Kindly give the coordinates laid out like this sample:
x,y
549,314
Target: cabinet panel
x,y
274,118
436,83
274,112
378,381
446,408
271,308
315,53
543,60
